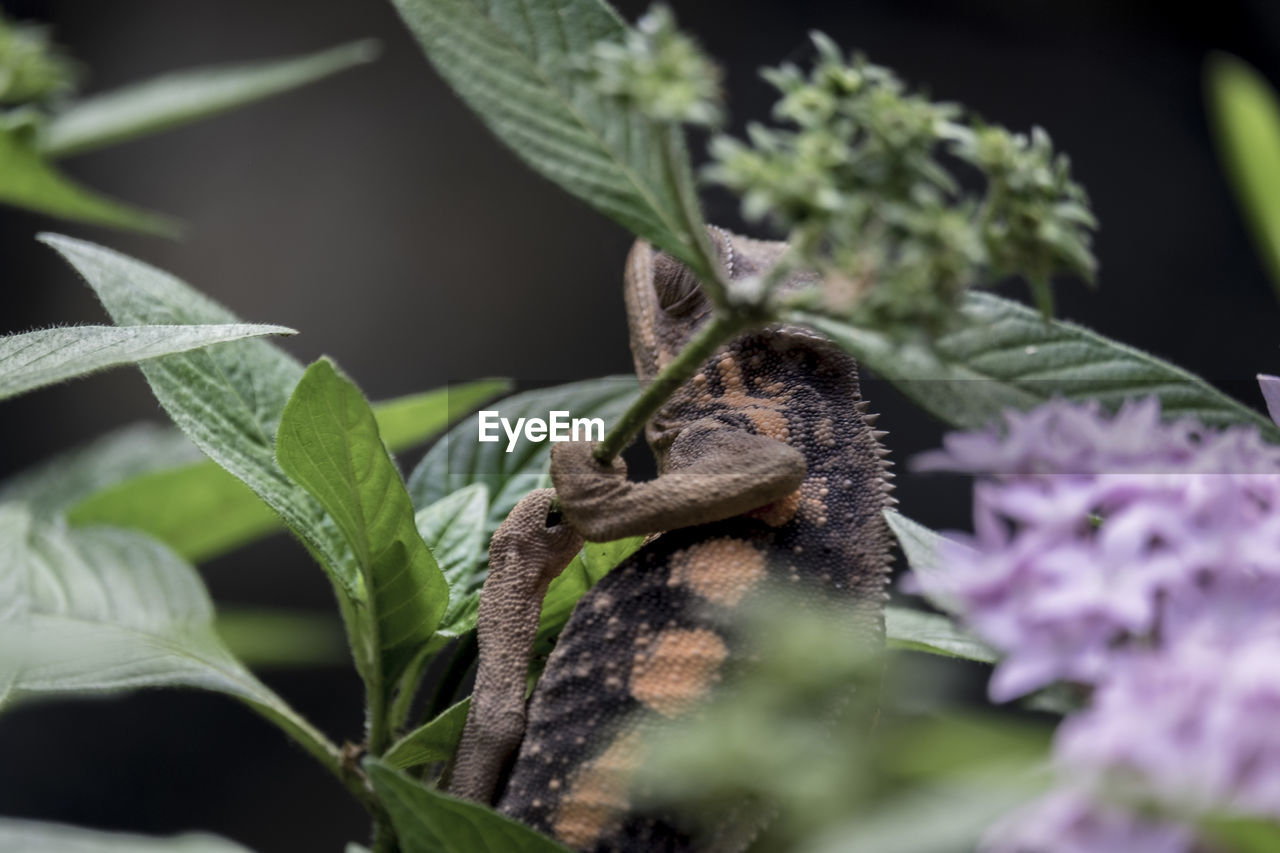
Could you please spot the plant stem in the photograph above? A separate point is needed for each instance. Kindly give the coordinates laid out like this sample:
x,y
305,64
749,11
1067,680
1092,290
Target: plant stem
x,y
379,738
311,739
378,730
704,262
719,329
384,837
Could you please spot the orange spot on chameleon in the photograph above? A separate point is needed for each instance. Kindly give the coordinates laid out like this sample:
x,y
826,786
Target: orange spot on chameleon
x,y
720,570
678,672
598,793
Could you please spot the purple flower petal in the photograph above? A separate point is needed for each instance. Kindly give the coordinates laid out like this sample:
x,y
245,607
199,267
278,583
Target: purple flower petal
x,y
1141,558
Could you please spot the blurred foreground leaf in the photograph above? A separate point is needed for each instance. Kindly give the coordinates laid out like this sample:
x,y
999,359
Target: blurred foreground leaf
x,y
27,181
268,637
31,836
179,97
1245,116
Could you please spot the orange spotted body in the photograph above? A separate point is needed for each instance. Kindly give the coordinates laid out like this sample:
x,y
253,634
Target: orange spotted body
x,y
656,635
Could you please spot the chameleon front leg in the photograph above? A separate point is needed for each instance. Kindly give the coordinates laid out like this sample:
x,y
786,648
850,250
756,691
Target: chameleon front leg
x,y
525,555
714,472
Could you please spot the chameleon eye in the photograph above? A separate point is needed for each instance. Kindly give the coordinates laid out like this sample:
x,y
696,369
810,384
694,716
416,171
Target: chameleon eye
x,y
675,285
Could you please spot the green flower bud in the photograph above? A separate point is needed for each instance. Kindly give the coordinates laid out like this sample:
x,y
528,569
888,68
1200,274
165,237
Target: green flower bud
x,y
31,69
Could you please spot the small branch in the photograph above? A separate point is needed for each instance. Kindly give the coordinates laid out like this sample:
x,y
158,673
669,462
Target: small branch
x,y
378,731
318,746
718,331
705,265
384,837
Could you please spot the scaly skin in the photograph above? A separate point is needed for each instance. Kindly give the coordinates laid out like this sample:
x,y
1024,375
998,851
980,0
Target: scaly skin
x,y
769,472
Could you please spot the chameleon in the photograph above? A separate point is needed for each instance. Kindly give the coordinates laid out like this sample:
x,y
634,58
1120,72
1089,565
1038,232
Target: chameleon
x,y
770,470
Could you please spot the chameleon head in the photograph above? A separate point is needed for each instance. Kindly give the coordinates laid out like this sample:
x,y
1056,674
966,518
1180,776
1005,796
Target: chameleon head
x,y
666,307
665,302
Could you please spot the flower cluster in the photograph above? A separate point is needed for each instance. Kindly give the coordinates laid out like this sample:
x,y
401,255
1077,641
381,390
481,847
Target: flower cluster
x,y
660,71
1196,723
863,188
1093,531
1139,558
31,69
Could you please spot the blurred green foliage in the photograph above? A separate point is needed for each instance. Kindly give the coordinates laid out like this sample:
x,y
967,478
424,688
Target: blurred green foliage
x,y
1245,117
32,68
825,730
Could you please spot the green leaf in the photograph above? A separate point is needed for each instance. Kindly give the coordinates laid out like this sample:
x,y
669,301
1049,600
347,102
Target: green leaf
x,y
1243,835
329,443
1058,698
1245,117
103,609
413,419
228,400
199,510
459,459
27,181
429,743
453,528
46,357
916,630
933,633
68,478
1006,356
266,637
202,511
427,821
32,836
96,609
921,547
185,96
932,745
520,67
595,561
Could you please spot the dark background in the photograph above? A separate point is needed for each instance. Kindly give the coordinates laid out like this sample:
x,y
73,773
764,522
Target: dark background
x,y
376,215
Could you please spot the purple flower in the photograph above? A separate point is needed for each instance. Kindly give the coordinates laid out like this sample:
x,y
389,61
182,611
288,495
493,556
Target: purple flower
x,y
1175,735
1141,558
1065,438
1194,725
1093,532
